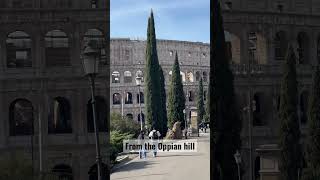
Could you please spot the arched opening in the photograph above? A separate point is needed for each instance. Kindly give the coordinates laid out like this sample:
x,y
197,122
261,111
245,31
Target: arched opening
x,y
129,116
115,77
198,76
257,168
191,96
94,4
140,74
93,172
97,36
142,98
257,118
303,48
304,101
189,77
280,46
278,102
21,118
101,115
127,77
257,48
18,46
182,75
57,49
60,116
205,76
116,98
142,117
233,47
63,172
128,99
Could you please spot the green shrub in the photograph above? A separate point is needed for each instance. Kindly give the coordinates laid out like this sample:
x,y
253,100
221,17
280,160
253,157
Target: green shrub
x,y
116,143
124,125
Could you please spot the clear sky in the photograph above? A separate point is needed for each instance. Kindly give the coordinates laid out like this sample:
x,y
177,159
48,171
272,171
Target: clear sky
x,y
185,20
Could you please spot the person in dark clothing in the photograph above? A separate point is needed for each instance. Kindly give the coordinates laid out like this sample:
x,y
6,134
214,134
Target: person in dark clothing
x,y
142,152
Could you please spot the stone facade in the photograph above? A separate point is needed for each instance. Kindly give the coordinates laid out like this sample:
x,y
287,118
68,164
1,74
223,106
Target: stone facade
x,y
259,32
33,33
128,57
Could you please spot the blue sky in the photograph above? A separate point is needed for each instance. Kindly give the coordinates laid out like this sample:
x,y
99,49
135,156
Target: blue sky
x,y
185,20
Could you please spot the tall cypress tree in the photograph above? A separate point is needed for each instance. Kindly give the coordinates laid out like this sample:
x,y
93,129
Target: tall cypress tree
x,y
313,140
200,103
290,152
176,99
225,125
152,80
207,107
163,97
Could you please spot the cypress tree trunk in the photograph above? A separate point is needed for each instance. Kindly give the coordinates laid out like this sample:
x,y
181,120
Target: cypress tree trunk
x,y
225,125
163,104
176,99
200,103
152,80
290,152
313,146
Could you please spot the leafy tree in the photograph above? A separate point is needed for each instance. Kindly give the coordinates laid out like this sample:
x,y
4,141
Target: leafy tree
x,y
176,99
152,80
290,150
225,124
313,139
163,104
124,124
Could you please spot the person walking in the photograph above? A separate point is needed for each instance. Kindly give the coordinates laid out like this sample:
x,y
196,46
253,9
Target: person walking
x,y
154,135
142,152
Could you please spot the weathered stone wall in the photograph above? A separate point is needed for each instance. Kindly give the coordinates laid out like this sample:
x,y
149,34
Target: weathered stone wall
x,y
39,84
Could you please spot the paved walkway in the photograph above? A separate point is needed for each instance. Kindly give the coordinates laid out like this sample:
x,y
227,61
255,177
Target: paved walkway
x,y
186,166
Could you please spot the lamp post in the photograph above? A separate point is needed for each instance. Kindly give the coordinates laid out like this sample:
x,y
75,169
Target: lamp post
x,y
90,65
250,70
139,82
237,157
185,124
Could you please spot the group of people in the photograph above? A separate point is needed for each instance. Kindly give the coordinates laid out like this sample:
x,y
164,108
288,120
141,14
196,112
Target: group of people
x,y
154,135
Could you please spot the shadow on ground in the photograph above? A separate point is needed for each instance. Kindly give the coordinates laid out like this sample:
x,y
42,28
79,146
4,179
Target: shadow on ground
x,y
175,155
130,177
135,165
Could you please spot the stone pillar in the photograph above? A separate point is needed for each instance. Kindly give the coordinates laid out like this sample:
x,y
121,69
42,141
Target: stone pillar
x,y
194,122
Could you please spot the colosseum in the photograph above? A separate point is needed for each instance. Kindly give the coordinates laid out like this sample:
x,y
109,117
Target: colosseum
x,y
43,91
257,35
128,58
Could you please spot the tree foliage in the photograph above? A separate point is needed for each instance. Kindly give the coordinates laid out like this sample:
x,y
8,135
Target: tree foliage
x,y
225,125
200,103
124,124
116,143
313,139
152,80
176,99
290,150
163,97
